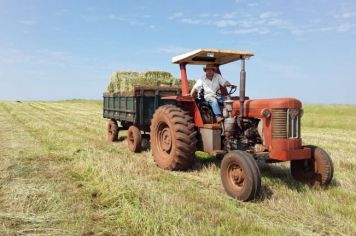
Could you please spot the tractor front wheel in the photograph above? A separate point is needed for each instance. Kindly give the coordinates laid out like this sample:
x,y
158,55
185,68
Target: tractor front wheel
x,y
134,139
240,175
316,171
112,130
173,138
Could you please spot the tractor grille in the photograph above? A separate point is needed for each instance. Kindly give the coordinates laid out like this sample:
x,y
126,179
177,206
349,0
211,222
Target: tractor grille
x,y
285,123
279,123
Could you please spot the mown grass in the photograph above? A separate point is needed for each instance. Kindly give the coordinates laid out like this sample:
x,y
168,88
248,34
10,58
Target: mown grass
x,y
58,176
330,116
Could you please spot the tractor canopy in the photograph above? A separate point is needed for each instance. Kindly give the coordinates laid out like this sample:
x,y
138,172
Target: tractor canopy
x,y
205,56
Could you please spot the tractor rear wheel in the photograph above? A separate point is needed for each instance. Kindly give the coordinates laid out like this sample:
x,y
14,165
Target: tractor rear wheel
x,y
316,171
240,175
134,139
173,138
112,130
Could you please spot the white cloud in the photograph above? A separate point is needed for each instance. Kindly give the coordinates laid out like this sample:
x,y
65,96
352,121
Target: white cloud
x,y
28,22
61,12
205,15
43,57
134,19
146,16
277,22
230,15
176,15
268,22
90,9
345,15
225,23
345,27
191,21
115,17
302,30
253,4
268,14
153,27
243,31
264,31
174,50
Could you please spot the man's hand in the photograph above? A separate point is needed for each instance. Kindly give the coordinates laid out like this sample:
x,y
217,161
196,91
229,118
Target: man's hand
x,y
193,93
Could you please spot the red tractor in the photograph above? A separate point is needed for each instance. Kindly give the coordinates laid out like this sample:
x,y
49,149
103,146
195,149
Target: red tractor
x,y
252,129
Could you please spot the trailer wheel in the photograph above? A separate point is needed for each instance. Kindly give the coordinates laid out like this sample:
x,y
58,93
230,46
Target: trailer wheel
x,y
240,176
112,130
316,171
173,138
134,139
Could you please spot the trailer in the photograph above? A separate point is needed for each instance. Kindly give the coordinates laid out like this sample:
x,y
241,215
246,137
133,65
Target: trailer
x,y
133,111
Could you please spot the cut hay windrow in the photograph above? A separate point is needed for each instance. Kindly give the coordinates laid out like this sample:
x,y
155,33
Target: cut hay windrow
x,y
123,82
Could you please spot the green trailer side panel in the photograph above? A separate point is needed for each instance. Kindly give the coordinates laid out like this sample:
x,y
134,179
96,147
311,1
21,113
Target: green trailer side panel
x,y
120,108
139,108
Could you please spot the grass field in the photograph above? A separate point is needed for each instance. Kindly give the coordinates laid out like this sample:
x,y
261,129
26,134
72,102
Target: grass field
x,y
59,176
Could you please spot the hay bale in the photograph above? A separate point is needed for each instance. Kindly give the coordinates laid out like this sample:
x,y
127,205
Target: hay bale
x,y
125,81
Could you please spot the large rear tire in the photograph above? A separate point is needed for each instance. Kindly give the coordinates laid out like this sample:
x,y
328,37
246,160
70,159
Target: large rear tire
x,y
173,138
240,176
112,130
316,171
134,139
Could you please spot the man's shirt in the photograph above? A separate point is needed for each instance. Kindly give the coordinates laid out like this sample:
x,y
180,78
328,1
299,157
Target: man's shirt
x,y
210,86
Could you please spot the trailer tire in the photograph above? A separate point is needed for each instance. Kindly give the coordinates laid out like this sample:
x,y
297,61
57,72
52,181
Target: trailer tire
x,y
112,131
316,171
240,177
134,139
173,138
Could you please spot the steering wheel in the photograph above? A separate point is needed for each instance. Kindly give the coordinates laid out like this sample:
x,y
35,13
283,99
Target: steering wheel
x,y
230,90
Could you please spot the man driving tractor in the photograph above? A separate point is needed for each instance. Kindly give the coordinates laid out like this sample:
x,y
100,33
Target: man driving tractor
x,y
210,83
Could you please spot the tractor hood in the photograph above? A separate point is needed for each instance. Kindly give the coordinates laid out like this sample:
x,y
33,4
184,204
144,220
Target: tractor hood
x,y
253,108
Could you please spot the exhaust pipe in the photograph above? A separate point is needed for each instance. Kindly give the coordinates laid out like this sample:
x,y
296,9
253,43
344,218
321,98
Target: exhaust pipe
x,y
242,86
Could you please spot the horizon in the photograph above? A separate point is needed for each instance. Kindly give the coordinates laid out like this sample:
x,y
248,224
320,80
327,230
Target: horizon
x,y
101,100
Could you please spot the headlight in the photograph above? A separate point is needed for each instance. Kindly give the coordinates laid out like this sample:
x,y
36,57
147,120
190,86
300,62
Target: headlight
x,y
266,113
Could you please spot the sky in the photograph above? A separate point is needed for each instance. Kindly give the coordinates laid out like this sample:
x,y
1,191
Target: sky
x,y
64,49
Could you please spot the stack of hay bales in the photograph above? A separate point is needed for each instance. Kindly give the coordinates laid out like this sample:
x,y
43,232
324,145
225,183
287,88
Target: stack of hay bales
x,y
124,82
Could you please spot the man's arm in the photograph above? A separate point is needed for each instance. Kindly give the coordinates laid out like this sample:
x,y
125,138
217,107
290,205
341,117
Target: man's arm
x,y
223,82
196,87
